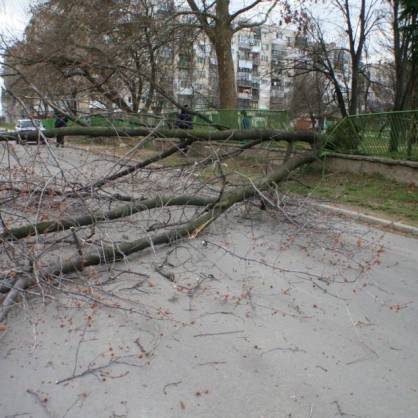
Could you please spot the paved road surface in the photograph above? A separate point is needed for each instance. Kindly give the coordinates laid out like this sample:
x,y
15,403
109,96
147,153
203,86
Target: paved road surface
x,y
263,319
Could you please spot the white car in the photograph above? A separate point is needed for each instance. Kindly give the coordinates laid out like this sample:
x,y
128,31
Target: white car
x,y
24,126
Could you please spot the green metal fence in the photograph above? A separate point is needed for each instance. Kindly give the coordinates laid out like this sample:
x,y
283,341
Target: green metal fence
x,y
227,118
390,134
237,119
115,120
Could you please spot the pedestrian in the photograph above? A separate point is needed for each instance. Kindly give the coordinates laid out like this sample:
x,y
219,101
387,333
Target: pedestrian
x,y
184,120
60,122
245,121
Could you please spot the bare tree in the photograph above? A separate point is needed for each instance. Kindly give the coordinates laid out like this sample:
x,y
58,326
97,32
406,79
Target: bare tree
x,y
342,63
57,208
220,22
404,51
116,58
311,97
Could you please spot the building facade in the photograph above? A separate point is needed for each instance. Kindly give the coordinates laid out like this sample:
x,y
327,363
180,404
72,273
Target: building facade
x,y
262,64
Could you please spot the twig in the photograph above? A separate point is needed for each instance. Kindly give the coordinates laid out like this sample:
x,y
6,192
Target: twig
x,y
86,372
222,313
21,284
79,344
170,384
344,413
338,407
217,333
99,368
293,350
211,363
76,241
167,274
326,291
41,401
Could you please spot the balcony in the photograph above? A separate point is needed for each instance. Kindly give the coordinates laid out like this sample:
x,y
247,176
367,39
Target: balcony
x,y
244,96
276,102
244,104
277,55
242,82
184,64
245,64
245,45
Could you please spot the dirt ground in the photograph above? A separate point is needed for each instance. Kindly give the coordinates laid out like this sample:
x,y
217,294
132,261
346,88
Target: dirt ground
x,y
255,318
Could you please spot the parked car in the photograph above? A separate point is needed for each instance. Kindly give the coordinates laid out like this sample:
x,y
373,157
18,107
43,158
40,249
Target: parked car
x,y
25,126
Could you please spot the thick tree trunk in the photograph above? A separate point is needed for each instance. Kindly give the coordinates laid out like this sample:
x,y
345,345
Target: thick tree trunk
x,y
229,199
193,135
109,254
226,72
91,219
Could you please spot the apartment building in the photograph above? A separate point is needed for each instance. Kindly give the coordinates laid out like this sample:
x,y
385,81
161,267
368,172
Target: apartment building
x,y
262,57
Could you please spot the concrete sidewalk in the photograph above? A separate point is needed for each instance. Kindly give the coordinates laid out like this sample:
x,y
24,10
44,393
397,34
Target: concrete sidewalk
x,y
358,215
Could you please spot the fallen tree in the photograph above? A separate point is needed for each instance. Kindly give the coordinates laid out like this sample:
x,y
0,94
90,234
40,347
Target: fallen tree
x,y
32,250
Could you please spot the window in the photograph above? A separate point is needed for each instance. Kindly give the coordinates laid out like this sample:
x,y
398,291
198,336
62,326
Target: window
x,y
165,52
246,39
185,84
265,58
277,83
183,75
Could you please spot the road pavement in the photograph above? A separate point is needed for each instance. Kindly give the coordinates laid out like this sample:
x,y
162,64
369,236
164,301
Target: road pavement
x,y
256,317
258,322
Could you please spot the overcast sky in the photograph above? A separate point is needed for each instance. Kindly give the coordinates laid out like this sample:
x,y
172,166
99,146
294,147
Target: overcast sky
x,y
14,15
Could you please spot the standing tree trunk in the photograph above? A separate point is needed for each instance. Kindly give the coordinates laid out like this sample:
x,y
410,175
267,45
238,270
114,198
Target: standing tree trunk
x,y
226,73
220,24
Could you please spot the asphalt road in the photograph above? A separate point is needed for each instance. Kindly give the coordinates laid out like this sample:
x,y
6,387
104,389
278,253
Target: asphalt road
x,y
263,319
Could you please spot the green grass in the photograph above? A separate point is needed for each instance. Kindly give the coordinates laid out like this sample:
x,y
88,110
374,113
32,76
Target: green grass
x,y
373,194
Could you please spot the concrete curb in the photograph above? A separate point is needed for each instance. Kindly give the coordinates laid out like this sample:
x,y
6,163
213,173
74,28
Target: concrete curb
x,y
396,226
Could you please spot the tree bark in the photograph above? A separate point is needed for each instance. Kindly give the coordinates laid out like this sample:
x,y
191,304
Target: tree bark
x,y
195,135
229,199
130,209
103,255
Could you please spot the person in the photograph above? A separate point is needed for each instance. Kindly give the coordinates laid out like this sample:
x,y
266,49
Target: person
x,y
60,122
184,120
245,122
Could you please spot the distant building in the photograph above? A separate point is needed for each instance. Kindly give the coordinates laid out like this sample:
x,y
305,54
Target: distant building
x,y
265,75
261,57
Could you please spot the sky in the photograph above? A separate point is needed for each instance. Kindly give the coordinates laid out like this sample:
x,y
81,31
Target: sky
x,y
14,16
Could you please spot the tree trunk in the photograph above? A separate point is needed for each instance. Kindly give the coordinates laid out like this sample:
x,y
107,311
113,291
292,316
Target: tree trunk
x,y
110,254
226,72
211,208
